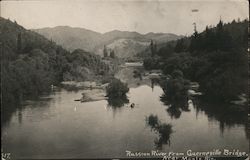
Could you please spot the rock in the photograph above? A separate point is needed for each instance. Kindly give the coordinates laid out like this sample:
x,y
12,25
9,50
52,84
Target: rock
x,y
194,93
242,100
190,103
79,85
93,95
154,75
194,85
104,85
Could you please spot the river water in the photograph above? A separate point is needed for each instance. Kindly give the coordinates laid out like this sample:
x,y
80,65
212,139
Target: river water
x,y
56,126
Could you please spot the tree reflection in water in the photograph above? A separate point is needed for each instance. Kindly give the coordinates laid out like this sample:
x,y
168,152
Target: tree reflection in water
x,y
176,106
228,115
177,100
17,108
164,130
175,94
118,102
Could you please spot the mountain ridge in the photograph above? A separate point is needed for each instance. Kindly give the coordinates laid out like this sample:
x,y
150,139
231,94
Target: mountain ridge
x,y
115,30
75,37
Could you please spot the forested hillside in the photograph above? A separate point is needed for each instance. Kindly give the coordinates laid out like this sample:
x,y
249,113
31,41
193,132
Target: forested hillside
x,y
31,63
216,58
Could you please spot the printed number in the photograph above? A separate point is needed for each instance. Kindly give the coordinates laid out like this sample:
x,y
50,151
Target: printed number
x,y
5,156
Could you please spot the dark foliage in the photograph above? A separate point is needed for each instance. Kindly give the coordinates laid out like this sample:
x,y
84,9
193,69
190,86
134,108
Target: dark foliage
x,y
175,94
116,89
153,48
151,63
216,58
105,52
112,54
180,46
227,115
118,101
31,63
167,50
164,130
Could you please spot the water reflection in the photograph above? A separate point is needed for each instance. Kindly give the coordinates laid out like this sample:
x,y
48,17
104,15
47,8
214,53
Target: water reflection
x,y
228,115
137,73
7,111
20,115
78,138
176,105
164,130
175,96
17,109
154,81
118,102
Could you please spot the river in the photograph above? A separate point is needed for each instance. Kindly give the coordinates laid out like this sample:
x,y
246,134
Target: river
x,y
56,126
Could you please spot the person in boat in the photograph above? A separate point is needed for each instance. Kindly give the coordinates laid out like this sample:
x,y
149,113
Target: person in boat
x,y
132,105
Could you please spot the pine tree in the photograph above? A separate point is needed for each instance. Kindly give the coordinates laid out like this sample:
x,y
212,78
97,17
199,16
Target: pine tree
x,y
219,27
223,38
105,52
155,48
152,48
209,39
112,54
194,44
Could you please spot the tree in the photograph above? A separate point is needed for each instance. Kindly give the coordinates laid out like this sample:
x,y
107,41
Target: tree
x,y
19,42
151,63
179,46
116,89
177,74
194,44
167,50
153,48
105,52
223,38
112,54
210,40
164,130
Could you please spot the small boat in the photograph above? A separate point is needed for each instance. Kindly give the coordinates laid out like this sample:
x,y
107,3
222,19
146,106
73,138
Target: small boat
x,y
132,105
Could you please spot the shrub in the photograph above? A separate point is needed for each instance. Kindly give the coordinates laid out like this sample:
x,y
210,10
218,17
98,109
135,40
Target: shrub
x,y
116,89
151,63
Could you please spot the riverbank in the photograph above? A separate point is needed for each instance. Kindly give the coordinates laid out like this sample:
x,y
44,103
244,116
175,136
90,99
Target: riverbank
x,y
74,85
90,95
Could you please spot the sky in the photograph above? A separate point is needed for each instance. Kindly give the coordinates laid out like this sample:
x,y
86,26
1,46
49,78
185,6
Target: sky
x,y
143,16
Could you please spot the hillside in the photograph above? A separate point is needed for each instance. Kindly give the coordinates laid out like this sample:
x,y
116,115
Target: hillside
x,y
74,38
31,63
125,48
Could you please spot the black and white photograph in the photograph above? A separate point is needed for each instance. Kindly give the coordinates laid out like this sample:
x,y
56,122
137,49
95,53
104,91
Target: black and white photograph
x,y
124,79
